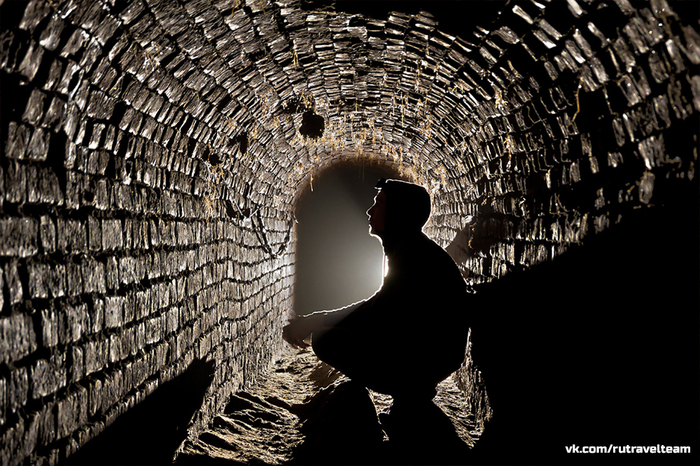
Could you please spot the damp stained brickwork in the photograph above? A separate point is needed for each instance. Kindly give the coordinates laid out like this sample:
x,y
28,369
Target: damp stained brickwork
x,y
151,159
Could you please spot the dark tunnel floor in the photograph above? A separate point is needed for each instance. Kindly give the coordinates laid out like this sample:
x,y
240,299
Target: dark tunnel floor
x,y
301,411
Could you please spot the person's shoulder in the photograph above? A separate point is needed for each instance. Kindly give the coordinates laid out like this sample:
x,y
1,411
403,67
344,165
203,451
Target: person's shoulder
x,y
427,250
421,246
434,248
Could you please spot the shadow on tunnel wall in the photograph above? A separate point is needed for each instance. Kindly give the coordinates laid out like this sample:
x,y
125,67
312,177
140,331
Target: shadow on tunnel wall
x,y
151,431
598,347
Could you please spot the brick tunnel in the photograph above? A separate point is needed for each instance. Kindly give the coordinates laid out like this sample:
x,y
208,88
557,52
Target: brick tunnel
x,y
153,153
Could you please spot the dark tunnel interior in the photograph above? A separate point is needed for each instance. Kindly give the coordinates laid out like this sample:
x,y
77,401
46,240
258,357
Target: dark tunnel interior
x,y
179,177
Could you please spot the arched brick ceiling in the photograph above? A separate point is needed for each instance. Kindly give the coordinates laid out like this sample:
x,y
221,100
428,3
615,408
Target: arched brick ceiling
x,y
390,89
222,72
512,114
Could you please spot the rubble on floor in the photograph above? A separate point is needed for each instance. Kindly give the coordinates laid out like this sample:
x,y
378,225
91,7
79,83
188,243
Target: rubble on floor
x,y
302,411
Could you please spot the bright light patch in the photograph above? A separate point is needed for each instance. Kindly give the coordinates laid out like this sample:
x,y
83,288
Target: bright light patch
x,y
338,262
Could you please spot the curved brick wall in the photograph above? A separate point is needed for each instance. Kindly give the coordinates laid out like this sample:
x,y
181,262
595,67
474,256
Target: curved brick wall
x,y
153,151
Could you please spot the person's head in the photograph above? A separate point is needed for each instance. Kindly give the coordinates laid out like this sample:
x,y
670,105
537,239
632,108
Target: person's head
x,y
399,208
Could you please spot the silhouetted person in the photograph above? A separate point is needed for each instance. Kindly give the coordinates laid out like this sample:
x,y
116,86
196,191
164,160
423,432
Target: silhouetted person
x,y
412,333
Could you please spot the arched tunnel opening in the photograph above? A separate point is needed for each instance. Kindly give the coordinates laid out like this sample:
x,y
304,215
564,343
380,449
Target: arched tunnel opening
x,y
154,154
337,261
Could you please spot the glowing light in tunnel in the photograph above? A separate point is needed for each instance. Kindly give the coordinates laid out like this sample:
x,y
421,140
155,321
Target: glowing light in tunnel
x,y
337,261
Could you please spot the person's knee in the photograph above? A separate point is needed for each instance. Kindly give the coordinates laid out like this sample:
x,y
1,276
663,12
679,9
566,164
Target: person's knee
x,y
325,347
319,346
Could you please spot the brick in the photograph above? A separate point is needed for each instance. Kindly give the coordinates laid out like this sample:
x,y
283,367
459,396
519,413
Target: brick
x,y
112,273
53,118
37,276
93,273
116,350
74,279
40,428
71,412
35,12
71,235
10,440
43,186
155,267
54,79
18,136
38,147
56,281
172,320
114,311
102,200
35,108
76,321
76,363
101,76
51,328
129,308
94,396
161,356
100,106
112,234
139,337
75,157
46,280
96,167
48,375
128,338
123,195
162,295
89,160
94,230
75,187
3,400
17,389
155,329
128,234
79,97
51,35
72,124
112,390
17,337
47,234
95,356
139,230
127,270
97,315
19,237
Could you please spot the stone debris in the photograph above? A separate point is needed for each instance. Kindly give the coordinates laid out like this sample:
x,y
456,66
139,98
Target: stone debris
x,y
302,411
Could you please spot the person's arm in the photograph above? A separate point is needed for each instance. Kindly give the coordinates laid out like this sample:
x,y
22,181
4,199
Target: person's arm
x,y
299,330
